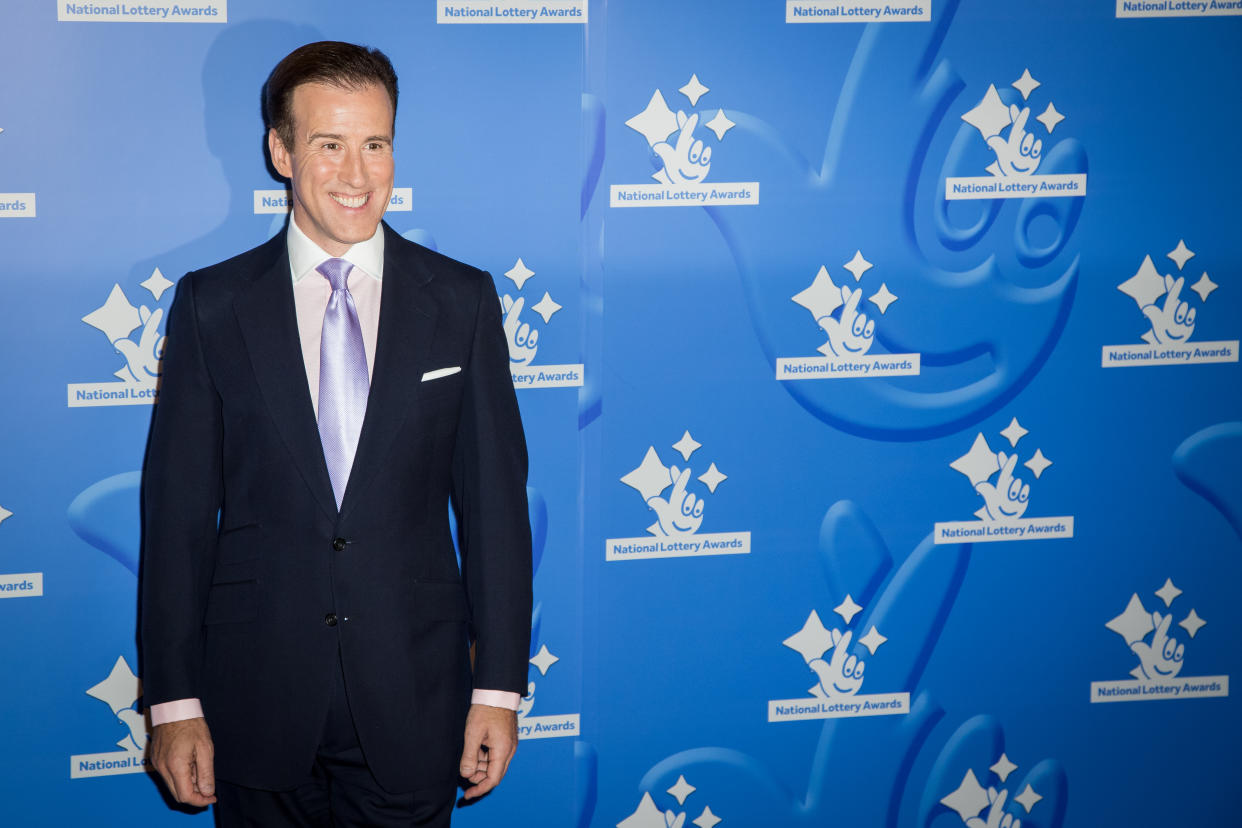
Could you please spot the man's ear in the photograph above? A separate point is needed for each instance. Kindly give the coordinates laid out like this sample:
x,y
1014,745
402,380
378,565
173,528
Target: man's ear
x,y
280,155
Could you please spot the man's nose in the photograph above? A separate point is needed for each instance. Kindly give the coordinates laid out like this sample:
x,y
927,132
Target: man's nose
x,y
353,171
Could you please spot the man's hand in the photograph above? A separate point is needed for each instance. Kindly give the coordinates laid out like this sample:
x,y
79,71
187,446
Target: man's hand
x,y
491,739
182,752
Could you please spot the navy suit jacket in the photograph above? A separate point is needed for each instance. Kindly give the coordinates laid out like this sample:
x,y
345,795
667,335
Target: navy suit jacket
x,y
253,581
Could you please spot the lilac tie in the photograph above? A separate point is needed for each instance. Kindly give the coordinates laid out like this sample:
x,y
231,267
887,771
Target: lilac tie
x,y
343,381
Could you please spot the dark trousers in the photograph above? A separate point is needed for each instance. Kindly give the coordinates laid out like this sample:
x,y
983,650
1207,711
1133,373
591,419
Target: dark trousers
x,y
339,791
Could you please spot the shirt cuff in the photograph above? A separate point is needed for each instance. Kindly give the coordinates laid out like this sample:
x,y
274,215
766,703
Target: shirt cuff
x,y
180,710
492,698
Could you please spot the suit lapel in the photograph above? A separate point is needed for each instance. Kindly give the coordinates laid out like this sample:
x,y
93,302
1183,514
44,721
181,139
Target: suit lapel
x,y
408,316
269,326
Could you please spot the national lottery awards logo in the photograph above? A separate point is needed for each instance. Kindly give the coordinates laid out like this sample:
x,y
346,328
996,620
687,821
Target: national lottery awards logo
x,y
838,669
543,726
136,334
279,202
1006,494
970,799
524,334
1018,146
17,205
1164,302
120,691
20,584
1178,8
849,328
649,815
150,11
511,11
684,155
1161,652
679,510
855,11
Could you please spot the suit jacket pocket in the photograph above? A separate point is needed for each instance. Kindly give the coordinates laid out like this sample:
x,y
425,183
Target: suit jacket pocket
x,y
234,596
440,601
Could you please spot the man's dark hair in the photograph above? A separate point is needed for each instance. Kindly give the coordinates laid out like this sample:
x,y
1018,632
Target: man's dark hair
x,y
331,62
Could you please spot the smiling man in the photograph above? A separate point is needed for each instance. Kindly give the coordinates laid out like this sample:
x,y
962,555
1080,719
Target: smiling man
x,y
314,653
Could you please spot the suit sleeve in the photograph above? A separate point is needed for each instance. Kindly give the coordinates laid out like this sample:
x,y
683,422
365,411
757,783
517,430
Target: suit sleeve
x,y
182,491
489,487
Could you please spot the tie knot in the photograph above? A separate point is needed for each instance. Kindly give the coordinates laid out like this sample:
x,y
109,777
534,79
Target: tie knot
x,y
336,271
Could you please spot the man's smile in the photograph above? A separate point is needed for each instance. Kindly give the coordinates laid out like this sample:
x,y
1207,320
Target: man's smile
x,y
350,201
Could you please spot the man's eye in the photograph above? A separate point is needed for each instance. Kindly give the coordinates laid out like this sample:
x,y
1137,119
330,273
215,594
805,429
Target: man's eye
x,y
330,145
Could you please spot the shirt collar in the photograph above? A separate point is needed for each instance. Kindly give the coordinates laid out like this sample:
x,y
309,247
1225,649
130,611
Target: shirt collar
x,y
305,255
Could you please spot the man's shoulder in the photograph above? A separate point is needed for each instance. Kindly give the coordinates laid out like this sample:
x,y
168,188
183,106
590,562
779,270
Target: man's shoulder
x,y
230,275
430,264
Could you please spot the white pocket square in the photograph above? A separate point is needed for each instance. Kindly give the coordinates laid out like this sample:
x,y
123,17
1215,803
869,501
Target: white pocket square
x,y
440,372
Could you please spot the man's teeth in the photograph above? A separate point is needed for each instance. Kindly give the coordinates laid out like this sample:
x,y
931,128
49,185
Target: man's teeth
x,y
356,201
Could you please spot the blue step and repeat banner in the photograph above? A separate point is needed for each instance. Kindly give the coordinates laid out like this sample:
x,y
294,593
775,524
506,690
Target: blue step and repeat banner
x,y
879,362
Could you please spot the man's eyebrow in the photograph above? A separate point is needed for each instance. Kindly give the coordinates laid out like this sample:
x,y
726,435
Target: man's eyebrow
x,y
332,136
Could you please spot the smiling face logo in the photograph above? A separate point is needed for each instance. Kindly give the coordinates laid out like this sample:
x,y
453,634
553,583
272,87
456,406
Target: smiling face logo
x,y
849,329
839,674
685,159
1159,298
1147,634
680,511
521,333
1004,127
994,475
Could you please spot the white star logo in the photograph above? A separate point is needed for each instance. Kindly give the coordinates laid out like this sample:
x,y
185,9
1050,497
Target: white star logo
x,y
1025,84
694,90
5,514
156,284
545,307
979,463
1181,254
117,318
822,297
847,609
686,446
1191,623
681,790
1050,118
656,122
519,273
651,477
969,799
1027,798
858,265
720,124
120,689
883,298
713,477
1204,287
990,115
1038,463
646,815
1168,592
706,819
872,640
1145,286
544,659
812,641
1003,768
1014,432
1134,623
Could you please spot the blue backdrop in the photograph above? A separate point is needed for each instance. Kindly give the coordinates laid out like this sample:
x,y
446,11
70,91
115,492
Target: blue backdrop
x,y
879,364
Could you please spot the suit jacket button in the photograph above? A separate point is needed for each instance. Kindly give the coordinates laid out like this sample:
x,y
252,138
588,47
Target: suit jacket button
x,y
339,544
330,619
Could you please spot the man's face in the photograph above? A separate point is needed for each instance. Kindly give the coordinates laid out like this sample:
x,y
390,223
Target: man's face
x,y
340,165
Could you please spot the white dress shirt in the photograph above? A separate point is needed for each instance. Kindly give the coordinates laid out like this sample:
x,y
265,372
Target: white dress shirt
x,y
311,292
